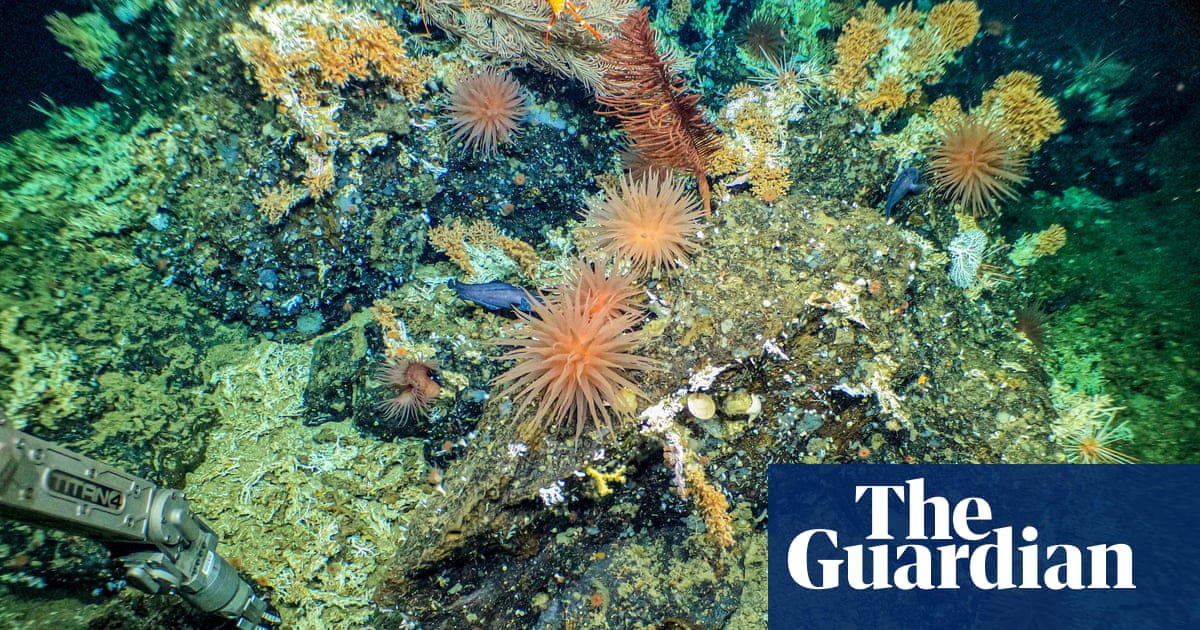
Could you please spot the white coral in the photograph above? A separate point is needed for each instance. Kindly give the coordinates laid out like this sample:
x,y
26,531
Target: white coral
x,y
966,254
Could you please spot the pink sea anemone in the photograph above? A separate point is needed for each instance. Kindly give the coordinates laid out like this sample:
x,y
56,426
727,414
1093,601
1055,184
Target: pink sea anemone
x,y
647,221
414,387
573,357
486,110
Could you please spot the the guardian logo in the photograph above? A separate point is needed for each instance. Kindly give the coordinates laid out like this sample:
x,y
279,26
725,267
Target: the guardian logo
x,y
949,546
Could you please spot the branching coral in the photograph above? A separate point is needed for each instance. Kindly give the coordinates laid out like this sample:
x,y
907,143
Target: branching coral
x,y
1030,247
884,58
302,56
483,252
1017,104
956,23
713,507
89,39
860,42
756,139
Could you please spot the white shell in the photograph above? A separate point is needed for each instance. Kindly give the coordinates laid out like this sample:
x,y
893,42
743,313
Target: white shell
x,y
701,406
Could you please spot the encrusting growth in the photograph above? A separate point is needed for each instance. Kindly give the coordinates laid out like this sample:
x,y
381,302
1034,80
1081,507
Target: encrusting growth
x,y
658,111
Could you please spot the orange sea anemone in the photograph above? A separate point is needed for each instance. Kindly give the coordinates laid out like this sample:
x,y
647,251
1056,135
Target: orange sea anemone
x,y
646,221
608,295
974,165
414,389
573,361
486,110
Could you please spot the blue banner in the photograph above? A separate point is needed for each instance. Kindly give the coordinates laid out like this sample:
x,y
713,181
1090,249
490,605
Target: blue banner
x,y
1011,547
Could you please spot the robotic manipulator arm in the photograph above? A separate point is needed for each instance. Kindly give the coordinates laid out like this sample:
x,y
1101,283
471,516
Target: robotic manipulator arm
x,y
45,484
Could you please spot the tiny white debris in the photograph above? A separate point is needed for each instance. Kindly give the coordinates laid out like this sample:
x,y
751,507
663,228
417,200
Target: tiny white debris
x,y
705,377
770,348
661,417
553,495
517,449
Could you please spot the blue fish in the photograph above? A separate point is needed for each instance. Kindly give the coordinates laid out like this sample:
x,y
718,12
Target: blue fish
x,y
494,296
906,182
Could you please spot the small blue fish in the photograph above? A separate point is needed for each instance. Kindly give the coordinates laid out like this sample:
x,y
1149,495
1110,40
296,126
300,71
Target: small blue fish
x,y
494,296
906,182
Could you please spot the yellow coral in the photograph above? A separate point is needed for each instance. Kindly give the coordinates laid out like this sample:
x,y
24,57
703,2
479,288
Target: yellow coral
x,y
769,182
905,16
924,56
457,241
1027,116
393,335
861,40
603,479
1050,240
873,14
727,159
1018,80
713,507
946,112
755,123
451,241
884,58
318,176
888,96
308,50
956,22
303,54
521,253
277,201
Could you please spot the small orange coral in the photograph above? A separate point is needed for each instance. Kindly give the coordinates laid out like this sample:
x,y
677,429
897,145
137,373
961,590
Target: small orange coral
x,y
946,112
277,201
318,176
768,182
1050,240
713,507
888,97
306,52
456,240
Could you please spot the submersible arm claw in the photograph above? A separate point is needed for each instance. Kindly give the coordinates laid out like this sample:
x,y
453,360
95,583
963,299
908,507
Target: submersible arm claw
x,y
44,484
